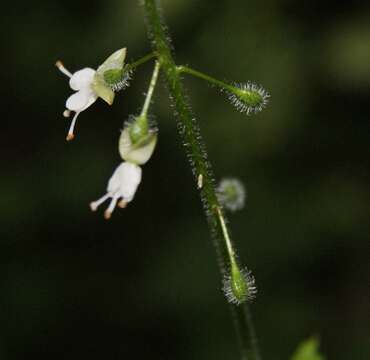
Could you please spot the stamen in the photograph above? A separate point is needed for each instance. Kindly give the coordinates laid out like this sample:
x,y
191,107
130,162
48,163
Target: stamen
x,y
95,204
66,113
122,204
70,134
110,209
61,67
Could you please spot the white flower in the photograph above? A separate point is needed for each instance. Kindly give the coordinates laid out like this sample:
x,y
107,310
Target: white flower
x,y
90,84
122,185
81,81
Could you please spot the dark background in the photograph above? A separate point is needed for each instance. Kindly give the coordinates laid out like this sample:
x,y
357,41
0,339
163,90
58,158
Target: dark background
x,y
145,285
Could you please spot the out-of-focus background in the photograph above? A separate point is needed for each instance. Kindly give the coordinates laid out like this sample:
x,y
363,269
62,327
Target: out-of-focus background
x,y
145,284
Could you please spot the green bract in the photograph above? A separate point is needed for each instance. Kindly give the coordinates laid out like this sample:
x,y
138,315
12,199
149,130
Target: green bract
x,y
113,62
109,73
102,90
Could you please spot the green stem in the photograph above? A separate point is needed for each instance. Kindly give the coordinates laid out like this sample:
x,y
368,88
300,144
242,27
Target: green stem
x,y
152,84
226,236
141,61
210,79
201,167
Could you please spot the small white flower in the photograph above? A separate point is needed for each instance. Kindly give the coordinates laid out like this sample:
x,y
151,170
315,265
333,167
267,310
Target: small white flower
x,y
90,84
81,81
121,186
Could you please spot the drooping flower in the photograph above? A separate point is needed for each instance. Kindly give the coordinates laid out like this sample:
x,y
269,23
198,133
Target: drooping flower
x,y
121,188
136,145
90,84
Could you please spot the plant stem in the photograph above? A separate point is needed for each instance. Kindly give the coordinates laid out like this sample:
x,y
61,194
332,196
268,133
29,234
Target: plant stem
x,y
196,73
141,61
152,84
226,236
201,166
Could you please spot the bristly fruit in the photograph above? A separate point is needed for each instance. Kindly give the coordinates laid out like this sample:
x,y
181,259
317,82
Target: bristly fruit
x,y
248,98
239,286
231,194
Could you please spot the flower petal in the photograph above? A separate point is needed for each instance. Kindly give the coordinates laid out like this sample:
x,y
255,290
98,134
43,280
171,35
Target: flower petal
x,y
82,79
125,180
81,100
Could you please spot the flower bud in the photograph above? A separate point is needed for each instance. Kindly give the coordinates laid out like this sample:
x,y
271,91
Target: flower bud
x,y
231,194
110,76
248,98
239,286
138,140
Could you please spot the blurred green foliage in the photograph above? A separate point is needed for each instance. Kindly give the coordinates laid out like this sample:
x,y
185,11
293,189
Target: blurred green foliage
x,y
145,284
308,350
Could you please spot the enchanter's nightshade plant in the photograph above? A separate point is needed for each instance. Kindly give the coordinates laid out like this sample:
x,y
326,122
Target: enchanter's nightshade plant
x,y
137,143
139,138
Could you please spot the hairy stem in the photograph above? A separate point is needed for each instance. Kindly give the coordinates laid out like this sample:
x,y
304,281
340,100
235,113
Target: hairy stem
x,y
201,167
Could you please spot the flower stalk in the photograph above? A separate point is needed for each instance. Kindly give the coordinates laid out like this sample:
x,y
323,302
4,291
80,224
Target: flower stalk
x,y
203,76
248,98
202,169
153,82
140,61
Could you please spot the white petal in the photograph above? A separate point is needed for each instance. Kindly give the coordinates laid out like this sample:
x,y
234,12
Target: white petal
x,y
81,100
125,180
82,79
